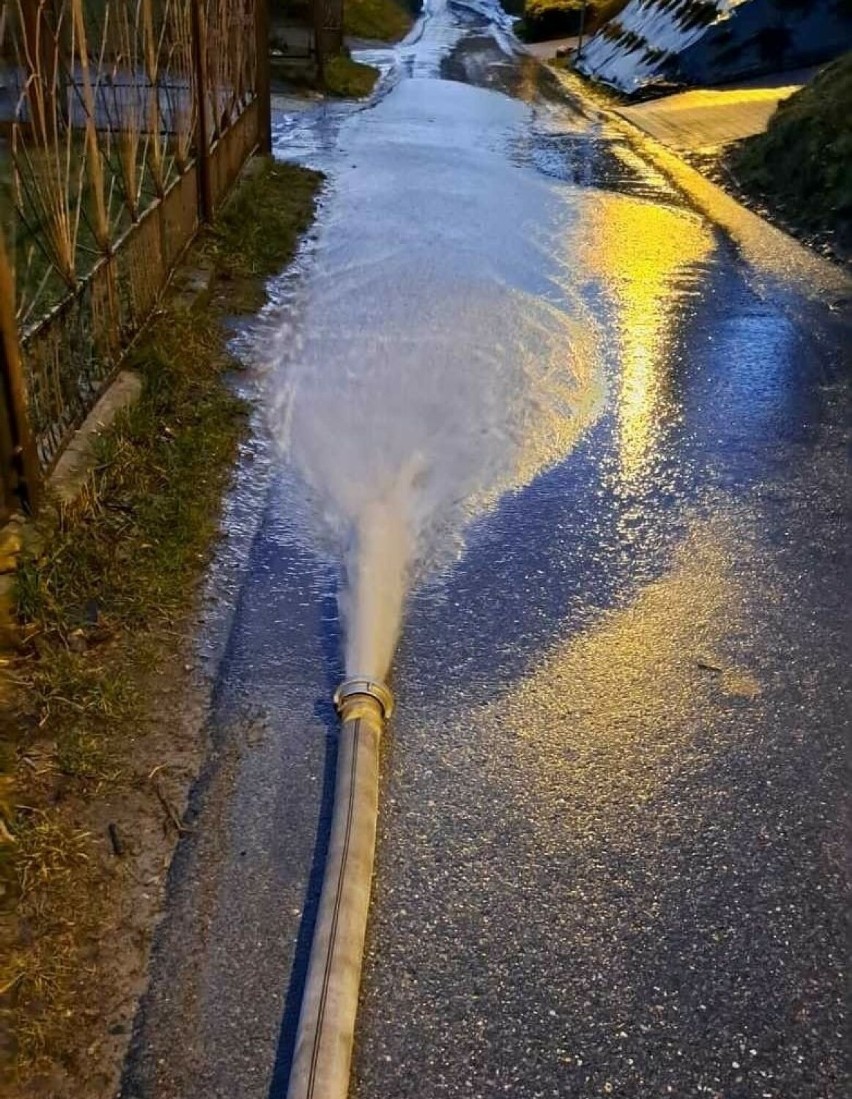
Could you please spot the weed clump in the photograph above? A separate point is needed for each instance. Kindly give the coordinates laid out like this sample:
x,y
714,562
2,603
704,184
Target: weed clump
x,y
802,164
382,20
348,79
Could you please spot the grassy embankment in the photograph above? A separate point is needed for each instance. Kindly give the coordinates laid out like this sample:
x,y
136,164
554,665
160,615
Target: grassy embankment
x,y
102,607
801,167
376,20
540,20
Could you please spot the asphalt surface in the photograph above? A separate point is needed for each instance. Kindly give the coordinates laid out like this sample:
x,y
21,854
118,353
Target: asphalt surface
x,y
612,848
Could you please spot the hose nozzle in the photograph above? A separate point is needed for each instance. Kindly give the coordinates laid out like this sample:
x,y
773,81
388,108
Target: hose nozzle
x,y
355,691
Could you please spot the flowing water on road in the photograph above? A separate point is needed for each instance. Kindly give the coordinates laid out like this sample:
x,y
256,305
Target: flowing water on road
x,y
431,370
589,444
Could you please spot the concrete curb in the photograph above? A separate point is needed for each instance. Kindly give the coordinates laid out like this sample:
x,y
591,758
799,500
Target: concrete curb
x,y
77,461
67,483
761,241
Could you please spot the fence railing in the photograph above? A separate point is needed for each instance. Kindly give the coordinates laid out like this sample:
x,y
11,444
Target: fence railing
x,y
123,123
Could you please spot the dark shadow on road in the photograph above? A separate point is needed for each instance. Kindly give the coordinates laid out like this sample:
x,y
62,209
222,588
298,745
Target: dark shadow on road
x,y
330,643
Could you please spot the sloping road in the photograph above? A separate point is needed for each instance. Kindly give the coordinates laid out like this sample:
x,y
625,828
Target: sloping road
x,y
612,856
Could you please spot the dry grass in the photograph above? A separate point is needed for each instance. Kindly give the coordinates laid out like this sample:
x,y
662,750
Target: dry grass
x,y
106,118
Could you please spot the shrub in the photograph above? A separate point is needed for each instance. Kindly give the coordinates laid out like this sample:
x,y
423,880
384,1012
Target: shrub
x,y
803,163
543,19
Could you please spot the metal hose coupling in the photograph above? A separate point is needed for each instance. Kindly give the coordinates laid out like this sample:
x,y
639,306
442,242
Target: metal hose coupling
x,y
361,693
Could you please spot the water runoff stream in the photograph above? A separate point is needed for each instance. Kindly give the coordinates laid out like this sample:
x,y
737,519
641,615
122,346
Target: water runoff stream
x,y
438,355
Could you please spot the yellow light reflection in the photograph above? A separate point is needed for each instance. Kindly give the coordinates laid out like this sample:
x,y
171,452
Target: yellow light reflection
x,y
647,256
607,719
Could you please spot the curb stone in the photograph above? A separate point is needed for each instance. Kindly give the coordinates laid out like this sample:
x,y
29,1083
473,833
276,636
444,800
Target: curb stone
x,y
68,481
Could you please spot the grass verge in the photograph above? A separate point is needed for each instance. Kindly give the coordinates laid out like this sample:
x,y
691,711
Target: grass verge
x,y
375,20
382,20
103,608
342,78
801,167
348,79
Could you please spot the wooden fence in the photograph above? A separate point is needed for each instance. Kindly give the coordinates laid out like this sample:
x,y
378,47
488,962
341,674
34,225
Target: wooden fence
x,y
123,127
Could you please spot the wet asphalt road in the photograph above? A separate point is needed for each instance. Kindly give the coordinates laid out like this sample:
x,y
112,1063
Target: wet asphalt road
x,y
612,856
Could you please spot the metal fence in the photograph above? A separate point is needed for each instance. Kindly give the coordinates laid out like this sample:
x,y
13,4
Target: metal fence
x,y
123,124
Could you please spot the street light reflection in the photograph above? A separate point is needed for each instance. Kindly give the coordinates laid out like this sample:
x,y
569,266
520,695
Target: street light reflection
x,y
651,257
610,716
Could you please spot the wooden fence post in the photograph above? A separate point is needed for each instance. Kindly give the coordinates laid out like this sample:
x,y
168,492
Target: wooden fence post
x,y
316,13
329,29
20,476
262,81
199,61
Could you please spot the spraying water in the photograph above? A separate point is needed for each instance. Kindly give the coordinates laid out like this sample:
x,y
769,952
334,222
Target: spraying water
x,y
427,372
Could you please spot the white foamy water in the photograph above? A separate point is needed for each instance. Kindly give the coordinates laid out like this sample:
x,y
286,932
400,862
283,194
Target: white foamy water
x,y
437,359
